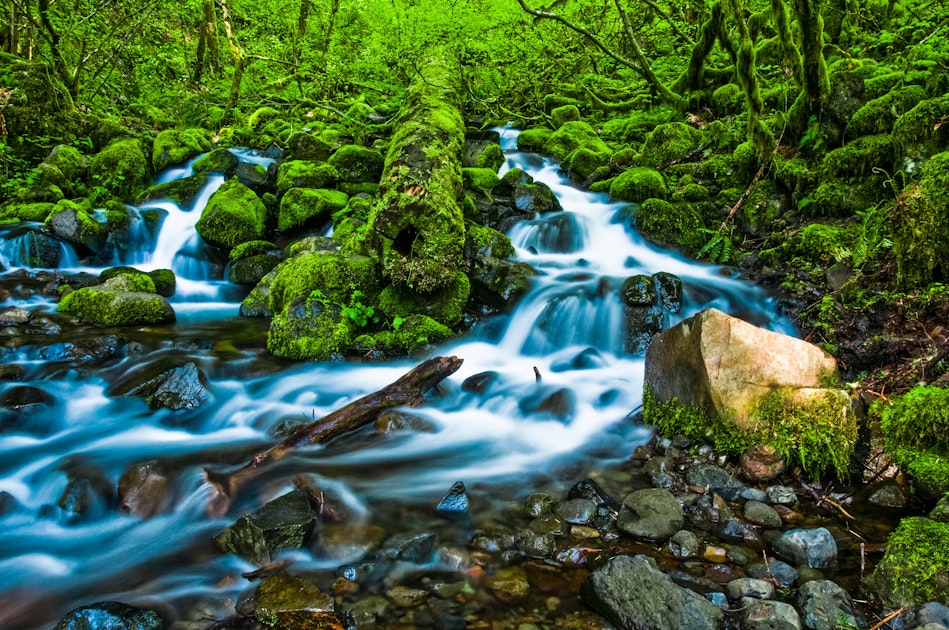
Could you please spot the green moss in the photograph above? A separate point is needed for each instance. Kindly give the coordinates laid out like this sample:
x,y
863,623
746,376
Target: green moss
x,y
414,334
919,418
564,114
120,167
728,100
217,161
446,305
302,206
483,179
71,222
919,224
690,192
261,117
164,280
638,184
485,241
672,225
174,146
366,188
582,162
915,567
921,132
878,115
26,211
636,126
491,158
860,157
116,308
818,240
70,162
181,191
570,137
139,280
669,142
310,329
357,164
797,175
532,140
303,174
234,215
334,274
251,248
881,84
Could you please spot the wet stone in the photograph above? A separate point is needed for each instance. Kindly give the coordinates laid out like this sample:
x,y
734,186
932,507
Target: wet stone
x,y
405,597
762,514
11,372
455,504
714,554
110,616
740,555
669,288
814,547
749,587
782,572
14,316
590,489
651,514
769,615
509,584
639,291
534,544
588,359
546,524
394,421
577,511
683,544
761,463
538,503
289,603
81,350
143,489
284,523
780,495
933,613
825,606
889,495
479,383
710,477
695,583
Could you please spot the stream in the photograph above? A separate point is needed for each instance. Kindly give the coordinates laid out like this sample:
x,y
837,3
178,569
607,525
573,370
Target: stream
x,y
53,560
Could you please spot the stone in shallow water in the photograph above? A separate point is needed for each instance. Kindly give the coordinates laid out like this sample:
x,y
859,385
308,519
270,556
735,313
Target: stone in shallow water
x,y
814,547
455,504
683,544
782,572
652,514
762,514
284,523
110,616
825,606
749,587
289,603
769,615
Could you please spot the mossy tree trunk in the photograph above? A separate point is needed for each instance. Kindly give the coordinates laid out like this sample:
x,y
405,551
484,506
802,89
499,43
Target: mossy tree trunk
x,y
790,53
328,31
814,66
691,79
208,55
418,228
300,34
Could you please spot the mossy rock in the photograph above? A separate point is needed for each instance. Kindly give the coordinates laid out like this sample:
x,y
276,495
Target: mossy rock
x,y
182,191
251,248
915,568
263,115
70,222
301,207
217,161
878,115
491,158
415,333
834,198
819,240
916,431
638,184
672,225
365,188
482,241
921,132
165,282
37,211
861,157
763,206
306,145
572,136
121,167
357,164
691,192
174,146
481,179
564,114
309,328
583,162
883,83
728,100
250,270
106,306
333,274
532,140
637,125
446,305
303,174
234,215
669,142
71,163
919,224
797,175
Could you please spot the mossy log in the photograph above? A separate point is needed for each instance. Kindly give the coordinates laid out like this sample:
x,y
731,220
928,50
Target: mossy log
x,y
418,226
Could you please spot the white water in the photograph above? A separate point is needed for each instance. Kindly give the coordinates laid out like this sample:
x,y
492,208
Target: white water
x,y
52,561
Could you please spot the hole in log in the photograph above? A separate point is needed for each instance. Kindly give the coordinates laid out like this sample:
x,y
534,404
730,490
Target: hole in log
x,y
402,242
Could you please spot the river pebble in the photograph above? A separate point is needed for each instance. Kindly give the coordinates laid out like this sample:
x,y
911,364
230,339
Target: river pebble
x,y
782,572
768,615
781,495
749,587
814,547
825,606
762,514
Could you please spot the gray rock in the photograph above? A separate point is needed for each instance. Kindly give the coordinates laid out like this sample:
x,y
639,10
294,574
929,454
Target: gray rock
x,y
762,514
577,511
933,613
889,495
538,503
455,504
110,616
176,388
769,615
824,606
780,495
782,572
814,547
652,514
635,595
684,544
711,477
284,523
752,494
749,587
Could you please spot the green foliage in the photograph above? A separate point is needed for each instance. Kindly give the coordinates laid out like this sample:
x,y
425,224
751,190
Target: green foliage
x,y
638,184
919,418
915,568
361,314
919,223
718,248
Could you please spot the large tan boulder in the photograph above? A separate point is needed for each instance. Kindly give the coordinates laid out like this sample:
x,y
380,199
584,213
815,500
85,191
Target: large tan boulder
x,y
716,376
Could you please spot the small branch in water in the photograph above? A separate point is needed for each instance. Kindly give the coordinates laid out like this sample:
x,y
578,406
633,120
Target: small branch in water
x,y
537,377
888,618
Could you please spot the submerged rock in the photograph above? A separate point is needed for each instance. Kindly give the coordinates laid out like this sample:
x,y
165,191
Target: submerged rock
x,y
651,514
814,547
143,489
289,603
769,615
635,595
825,606
179,387
110,616
455,504
284,523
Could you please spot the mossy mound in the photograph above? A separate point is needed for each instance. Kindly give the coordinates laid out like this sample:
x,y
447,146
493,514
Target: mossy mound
x,y
878,115
564,114
572,136
121,167
333,274
358,165
70,162
446,305
532,140
174,146
303,174
302,207
921,132
861,157
669,142
415,333
160,281
916,428
491,158
481,179
672,225
638,184
37,211
919,223
70,222
251,248
583,162
834,198
181,191
915,567
217,161
728,100
234,215
306,145
118,303
309,328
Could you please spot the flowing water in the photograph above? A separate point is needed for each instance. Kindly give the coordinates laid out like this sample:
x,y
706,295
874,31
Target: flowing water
x,y
52,560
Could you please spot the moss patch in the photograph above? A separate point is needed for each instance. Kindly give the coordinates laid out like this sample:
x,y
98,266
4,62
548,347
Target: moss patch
x,y
234,215
174,146
669,142
572,136
303,206
303,174
671,225
638,184
915,568
532,140
358,165
121,168
919,222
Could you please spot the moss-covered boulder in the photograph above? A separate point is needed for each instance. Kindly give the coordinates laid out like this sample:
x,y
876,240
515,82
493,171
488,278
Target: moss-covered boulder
x,y
719,378
414,333
35,211
638,184
582,163
174,146
304,174
919,223
310,328
357,164
121,167
160,281
669,142
125,300
333,274
678,225
860,157
915,567
217,161
572,136
564,114
307,145
182,191
480,179
916,431
302,207
70,162
921,132
445,305
728,100
234,215
70,222
878,115
532,140
417,224
250,262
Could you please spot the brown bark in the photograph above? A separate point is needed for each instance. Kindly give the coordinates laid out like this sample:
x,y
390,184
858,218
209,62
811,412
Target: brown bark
x,y
409,390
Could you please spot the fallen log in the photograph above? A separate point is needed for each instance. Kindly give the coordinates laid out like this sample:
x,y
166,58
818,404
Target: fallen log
x,y
408,391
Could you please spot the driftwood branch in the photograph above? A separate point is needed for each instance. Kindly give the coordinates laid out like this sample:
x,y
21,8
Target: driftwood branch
x,y
408,391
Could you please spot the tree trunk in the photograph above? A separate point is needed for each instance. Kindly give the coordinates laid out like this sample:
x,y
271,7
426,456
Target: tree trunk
x,y
816,82
207,56
691,79
300,33
328,32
